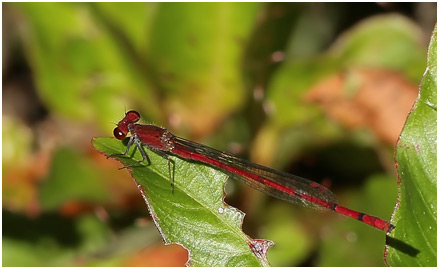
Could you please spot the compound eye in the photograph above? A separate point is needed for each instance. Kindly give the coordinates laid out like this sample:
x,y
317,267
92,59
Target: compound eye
x,y
119,134
132,116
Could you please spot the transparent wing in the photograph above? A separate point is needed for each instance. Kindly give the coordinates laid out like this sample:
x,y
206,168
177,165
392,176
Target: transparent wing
x,y
278,184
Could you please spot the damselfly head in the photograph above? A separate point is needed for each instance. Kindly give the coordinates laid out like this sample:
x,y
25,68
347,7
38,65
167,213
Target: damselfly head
x,y
120,132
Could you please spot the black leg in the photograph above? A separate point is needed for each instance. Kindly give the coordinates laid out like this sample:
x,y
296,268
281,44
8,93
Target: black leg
x,y
133,139
130,143
142,152
171,172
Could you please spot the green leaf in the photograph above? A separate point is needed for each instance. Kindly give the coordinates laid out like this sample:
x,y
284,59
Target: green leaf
x,y
81,66
71,177
90,58
194,215
414,241
195,63
383,41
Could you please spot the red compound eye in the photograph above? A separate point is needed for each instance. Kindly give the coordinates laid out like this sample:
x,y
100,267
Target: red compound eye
x,y
119,134
132,116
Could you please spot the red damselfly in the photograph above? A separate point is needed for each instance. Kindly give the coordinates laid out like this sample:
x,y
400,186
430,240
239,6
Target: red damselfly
x,y
281,185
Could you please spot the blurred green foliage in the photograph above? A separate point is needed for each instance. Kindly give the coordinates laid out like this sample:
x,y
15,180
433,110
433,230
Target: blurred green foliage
x,y
232,75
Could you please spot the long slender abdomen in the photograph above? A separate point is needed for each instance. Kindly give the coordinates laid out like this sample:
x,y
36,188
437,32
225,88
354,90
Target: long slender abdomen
x,y
284,192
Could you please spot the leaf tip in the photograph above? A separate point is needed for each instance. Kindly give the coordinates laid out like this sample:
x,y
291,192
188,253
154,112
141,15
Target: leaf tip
x,y
260,248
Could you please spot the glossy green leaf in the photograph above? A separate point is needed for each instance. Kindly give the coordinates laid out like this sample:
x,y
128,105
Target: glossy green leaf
x,y
414,241
194,215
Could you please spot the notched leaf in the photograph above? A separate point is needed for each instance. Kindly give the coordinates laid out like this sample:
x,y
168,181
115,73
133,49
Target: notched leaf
x,y
194,215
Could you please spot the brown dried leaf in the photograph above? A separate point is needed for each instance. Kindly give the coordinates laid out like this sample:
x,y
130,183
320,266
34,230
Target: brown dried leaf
x,y
369,98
